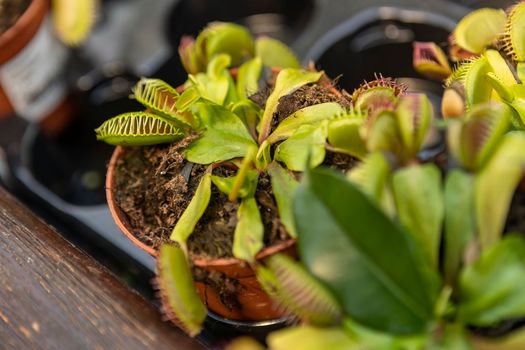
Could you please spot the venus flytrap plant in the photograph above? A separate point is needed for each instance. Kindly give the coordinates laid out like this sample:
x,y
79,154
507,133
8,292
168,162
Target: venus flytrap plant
x,y
390,294
488,46
221,128
235,41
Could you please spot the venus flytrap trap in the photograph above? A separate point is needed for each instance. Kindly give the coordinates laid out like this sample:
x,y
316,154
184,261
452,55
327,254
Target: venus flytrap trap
x,y
488,46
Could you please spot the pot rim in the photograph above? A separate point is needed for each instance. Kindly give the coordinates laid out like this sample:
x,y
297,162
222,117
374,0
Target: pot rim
x,y
26,25
201,261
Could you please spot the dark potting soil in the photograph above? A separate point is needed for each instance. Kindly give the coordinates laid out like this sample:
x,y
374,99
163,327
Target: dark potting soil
x,y
153,194
339,161
151,191
10,11
516,218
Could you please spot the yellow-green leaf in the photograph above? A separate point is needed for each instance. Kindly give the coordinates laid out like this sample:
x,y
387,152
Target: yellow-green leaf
x,y
179,298
191,215
249,232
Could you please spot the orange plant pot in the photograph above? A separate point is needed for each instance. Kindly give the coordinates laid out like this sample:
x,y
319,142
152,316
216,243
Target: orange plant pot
x,y
254,303
12,43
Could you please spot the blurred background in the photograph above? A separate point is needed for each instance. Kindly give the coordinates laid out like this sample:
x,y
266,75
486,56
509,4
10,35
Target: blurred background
x,y
53,96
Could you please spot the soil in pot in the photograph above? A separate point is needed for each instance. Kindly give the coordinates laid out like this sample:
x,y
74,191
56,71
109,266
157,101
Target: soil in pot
x,y
153,191
10,11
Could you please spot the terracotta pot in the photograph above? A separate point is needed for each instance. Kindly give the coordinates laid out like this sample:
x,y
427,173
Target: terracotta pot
x,y
22,47
255,304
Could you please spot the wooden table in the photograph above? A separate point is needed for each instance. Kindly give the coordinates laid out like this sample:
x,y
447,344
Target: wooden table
x,y
53,296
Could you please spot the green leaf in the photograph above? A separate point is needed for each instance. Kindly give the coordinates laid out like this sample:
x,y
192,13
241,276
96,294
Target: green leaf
x,y
179,298
459,221
225,184
297,292
500,67
419,200
371,176
311,115
217,84
383,134
492,288
287,81
345,136
371,339
283,187
161,98
311,338
414,115
138,129
263,156
249,232
307,143
453,336
480,29
362,256
482,132
228,38
275,54
225,136
477,88
198,204
495,185
249,112
248,77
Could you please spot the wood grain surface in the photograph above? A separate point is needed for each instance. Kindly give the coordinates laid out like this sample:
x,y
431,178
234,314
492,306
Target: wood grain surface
x,y
53,296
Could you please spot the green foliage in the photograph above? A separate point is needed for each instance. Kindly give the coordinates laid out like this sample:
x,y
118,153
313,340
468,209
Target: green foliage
x,y
492,288
305,148
414,115
372,176
235,41
226,184
354,234
495,185
459,223
248,77
287,82
512,40
161,98
225,136
179,298
283,186
216,84
297,292
137,129
274,53
474,139
311,338
311,115
345,133
248,236
216,39
419,202
479,29
198,204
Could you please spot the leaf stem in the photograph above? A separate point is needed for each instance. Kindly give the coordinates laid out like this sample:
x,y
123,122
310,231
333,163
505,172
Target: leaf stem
x,y
241,174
